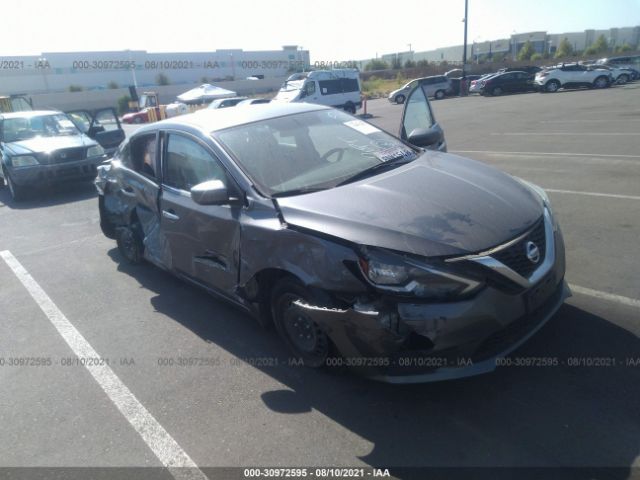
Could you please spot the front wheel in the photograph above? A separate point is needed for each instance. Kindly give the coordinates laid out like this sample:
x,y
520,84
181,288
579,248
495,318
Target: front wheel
x,y
622,79
304,337
601,82
552,86
400,99
439,95
17,192
496,92
130,244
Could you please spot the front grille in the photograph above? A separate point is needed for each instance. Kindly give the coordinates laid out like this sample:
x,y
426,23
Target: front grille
x,y
68,155
515,256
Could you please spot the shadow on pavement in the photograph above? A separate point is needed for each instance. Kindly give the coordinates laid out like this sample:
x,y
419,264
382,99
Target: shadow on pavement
x,y
555,416
50,196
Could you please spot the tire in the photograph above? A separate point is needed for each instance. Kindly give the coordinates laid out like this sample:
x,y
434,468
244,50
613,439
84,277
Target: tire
x,y
130,244
350,108
399,99
17,192
552,86
304,337
439,95
496,92
601,82
622,79
137,120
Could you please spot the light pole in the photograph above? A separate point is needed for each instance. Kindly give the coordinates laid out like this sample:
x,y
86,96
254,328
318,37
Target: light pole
x,y
132,65
463,91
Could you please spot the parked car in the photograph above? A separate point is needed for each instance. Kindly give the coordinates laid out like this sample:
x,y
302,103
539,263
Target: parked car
x,y
530,69
475,86
455,83
226,102
436,87
254,101
620,75
572,76
41,147
351,241
509,82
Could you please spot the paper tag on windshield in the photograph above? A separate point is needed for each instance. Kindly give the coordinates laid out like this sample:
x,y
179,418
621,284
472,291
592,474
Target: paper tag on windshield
x,y
395,153
362,127
66,123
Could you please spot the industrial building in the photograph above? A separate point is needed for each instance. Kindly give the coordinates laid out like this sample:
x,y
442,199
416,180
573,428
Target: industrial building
x,y
57,72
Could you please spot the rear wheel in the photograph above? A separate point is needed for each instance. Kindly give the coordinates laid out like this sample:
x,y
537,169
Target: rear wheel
x,y
601,82
303,336
439,95
350,107
496,92
552,86
399,99
622,79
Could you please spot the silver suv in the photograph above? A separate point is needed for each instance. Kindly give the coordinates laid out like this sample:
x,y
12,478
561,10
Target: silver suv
x,y
437,87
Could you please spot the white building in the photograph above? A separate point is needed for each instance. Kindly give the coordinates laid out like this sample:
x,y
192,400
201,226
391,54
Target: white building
x,y
56,71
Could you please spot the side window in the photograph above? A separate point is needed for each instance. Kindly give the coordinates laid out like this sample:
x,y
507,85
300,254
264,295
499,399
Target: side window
x,y
310,88
187,163
140,155
417,113
124,155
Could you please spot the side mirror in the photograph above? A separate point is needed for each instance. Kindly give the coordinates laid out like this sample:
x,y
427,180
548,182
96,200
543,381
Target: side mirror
x,y
423,137
212,192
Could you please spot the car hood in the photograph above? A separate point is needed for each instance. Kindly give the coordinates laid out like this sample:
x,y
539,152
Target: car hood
x,y
437,205
48,144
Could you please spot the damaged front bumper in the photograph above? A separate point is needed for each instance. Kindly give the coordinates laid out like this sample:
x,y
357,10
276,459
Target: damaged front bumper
x,y
415,343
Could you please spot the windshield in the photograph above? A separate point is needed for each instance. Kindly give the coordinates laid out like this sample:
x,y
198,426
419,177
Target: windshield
x,y
309,151
291,85
24,128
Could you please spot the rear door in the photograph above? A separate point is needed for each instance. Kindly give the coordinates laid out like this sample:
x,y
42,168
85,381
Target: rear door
x,y
204,240
418,125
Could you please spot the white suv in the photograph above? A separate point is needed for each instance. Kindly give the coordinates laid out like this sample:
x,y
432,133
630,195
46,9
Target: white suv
x,y
572,76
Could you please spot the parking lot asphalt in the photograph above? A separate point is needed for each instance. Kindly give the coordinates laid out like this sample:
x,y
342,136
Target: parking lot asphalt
x,y
240,403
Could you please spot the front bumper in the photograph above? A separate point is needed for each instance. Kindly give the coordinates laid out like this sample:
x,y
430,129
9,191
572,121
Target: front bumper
x,y
47,174
424,342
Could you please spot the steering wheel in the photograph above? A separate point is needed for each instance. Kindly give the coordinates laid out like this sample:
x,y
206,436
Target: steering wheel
x,y
339,150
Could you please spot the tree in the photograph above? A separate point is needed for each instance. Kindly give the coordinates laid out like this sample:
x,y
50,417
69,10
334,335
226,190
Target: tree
x,y
565,49
536,56
396,64
162,79
204,80
75,88
526,51
599,46
625,47
376,65
123,104
112,85
422,63
409,64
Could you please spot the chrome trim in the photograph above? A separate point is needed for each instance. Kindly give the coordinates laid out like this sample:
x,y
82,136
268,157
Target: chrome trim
x,y
541,271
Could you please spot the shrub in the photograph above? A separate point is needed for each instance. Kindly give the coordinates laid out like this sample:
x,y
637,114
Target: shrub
x,y
112,85
376,65
536,56
123,104
75,88
162,79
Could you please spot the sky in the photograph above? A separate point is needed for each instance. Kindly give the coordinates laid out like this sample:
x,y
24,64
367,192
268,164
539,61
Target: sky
x,y
332,30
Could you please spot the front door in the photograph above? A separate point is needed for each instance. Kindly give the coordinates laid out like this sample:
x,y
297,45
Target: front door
x,y
204,240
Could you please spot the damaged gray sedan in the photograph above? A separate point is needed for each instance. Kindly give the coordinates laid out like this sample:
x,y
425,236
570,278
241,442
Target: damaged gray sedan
x,y
383,254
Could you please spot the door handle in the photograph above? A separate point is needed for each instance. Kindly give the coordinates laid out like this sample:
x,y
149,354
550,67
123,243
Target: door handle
x,y
129,192
170,215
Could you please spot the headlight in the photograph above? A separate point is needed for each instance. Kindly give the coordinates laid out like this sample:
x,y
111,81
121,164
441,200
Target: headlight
x,y
543,196
95,151
24,161
396,274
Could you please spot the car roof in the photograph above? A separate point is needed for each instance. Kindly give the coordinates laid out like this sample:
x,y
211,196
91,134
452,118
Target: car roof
x,y
210,120
29,113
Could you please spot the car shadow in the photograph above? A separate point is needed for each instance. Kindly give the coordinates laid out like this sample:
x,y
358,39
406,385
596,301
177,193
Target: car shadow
x,y
50,196
567,415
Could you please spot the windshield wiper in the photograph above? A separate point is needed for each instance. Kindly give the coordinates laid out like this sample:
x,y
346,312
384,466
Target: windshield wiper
x,y
373,170
298,191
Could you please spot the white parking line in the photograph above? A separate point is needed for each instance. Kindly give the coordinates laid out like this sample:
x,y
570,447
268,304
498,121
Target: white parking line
x,y
593,194
632,302
170,454
545,134
553,154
